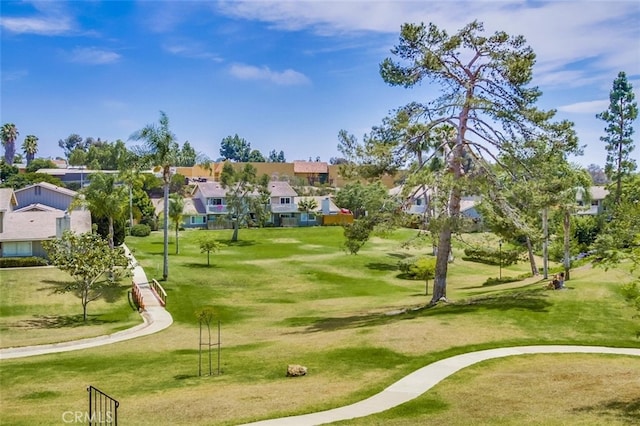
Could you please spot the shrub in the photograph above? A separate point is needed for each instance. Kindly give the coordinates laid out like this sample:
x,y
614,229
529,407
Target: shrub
x,y
21,262
140,230
417,268
492,256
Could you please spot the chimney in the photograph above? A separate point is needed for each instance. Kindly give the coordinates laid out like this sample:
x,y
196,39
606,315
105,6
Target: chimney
x,y
63,224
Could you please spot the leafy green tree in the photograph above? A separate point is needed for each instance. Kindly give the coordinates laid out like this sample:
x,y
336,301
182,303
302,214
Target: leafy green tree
x,y
71,143
88,259
9,133
235,148
247,195
256,156
105,199
176,209
484,97
78,157
361,199
306,205
103,155
623,110
357,234
161,150
208,245
30,147
424,268
40,163
7,171
21,180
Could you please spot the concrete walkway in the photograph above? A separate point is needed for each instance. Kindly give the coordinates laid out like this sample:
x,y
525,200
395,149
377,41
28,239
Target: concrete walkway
x,y
420,381
155,318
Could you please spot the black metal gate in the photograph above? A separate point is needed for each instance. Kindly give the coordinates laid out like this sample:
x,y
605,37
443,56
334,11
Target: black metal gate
x,y
103,410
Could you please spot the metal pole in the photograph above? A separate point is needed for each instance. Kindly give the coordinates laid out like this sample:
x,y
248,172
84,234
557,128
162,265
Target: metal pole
x,y
500,245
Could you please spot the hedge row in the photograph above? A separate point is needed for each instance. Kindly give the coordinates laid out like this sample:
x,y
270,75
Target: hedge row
x,y
21,262
491,256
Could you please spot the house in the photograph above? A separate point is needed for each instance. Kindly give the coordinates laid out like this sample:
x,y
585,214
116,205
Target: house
x,y
282,203
45,194
207,207
596,205
312,171
77,176
29,219
413,201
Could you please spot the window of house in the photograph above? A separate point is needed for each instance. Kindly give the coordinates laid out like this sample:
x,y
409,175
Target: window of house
x,y
198,220
215,201
17,249
594,203
285,200
311,217
418,201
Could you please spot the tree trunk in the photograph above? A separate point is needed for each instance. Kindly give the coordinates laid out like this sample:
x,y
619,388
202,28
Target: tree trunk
x,y
532,259
130,209
177,243
567,243
234,237
165,266
545,243
111,245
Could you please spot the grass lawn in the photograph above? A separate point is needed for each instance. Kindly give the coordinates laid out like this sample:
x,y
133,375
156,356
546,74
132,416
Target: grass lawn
x,y
34,312
288,296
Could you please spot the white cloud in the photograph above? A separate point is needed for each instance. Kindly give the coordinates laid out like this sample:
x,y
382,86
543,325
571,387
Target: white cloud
x,y
287,77
42,26
572,39
190,49
93,56
590,107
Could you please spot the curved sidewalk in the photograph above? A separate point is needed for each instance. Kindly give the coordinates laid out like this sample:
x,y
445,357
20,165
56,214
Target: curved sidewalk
x,y
155,318
420,381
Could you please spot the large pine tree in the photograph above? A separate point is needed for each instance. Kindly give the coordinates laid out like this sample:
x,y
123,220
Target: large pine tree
x,y
623,110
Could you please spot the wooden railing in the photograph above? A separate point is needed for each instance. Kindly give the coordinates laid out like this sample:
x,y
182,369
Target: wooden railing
x,y
137,295
159,292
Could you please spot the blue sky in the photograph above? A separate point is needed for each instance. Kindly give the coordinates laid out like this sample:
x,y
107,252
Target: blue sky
x,y
284,75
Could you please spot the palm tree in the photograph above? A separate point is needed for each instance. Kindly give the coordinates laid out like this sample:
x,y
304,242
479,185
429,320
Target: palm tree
x,y
306,205
9,134
104,199
30,147
161,149
176,207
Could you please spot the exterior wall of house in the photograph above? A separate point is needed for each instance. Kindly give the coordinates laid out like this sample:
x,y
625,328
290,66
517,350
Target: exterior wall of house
x,y
194,221
42,195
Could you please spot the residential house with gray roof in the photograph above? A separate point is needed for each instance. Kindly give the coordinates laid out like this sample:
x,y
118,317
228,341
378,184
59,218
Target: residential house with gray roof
x,y
35,214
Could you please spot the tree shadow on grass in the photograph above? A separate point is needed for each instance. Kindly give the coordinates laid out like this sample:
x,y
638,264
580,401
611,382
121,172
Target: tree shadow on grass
x,y
381,266
200,265
526,301
110,293
625,410
61,321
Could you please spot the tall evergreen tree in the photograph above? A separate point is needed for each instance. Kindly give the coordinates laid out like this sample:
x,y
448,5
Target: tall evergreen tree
x,y
623,110
484,96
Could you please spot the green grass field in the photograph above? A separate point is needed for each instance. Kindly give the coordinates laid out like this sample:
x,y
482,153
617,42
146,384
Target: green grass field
x,y
287,296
